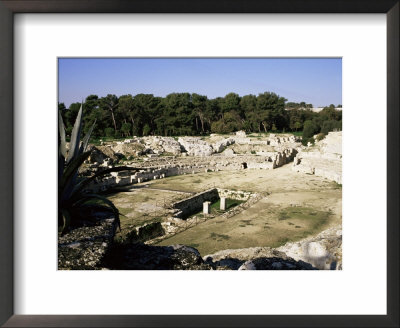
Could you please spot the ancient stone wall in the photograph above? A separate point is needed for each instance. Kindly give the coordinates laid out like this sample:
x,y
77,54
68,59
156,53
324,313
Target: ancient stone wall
x,y
234,194
145,232
161,167
195,203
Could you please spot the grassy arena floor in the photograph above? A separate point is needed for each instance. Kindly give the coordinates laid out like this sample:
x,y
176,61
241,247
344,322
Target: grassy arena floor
x,y
293,206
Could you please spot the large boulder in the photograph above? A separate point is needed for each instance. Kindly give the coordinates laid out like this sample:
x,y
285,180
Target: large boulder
x,y
144,257
101,153
228,152
255,258
170,145
220,145
194,146
128,149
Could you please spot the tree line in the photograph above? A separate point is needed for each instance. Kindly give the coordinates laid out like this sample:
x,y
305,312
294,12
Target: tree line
x,y
195,114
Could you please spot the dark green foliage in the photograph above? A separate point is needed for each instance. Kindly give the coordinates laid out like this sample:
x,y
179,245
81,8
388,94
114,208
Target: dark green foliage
x,y
320,136
109,132
331,125
126,129
194,114
146,130
310,128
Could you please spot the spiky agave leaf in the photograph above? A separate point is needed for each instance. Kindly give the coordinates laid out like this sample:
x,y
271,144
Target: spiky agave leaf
x,y
75,137
87,197
61,163
86,139
72,168
61,129
66,216
69,177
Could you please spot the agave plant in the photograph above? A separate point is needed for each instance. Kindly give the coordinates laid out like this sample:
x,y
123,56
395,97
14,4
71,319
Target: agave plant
x,y
72,197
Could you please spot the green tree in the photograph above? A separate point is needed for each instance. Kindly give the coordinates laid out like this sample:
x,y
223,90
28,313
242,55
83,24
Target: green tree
x,y
271,110
248,105
109,132
297,125
126,129
93,113
200,108
146,130
110,103
125,108
331,125
230,102
310,129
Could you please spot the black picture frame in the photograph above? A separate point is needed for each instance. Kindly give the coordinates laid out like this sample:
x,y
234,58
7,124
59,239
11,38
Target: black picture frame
x,y
7,10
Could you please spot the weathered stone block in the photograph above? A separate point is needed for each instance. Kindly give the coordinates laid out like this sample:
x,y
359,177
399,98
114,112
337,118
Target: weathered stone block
x,y
222,205
206,207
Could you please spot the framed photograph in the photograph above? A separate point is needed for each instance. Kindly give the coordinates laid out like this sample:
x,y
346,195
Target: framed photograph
x,y
195,140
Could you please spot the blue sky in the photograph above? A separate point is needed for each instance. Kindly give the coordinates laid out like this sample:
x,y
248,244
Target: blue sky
x,y
314,80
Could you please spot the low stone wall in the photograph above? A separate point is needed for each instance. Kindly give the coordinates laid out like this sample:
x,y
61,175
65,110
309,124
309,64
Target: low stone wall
x,y
195,203
174,225
146,232
234,194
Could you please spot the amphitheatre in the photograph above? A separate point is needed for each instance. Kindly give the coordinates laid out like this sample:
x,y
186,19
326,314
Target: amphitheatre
x,y
219,202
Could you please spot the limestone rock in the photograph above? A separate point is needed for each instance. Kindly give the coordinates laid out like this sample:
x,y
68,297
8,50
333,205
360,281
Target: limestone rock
x,y
241,134
101,153
323,159
323,251
128,149
228,152
195,146
222,144
255,258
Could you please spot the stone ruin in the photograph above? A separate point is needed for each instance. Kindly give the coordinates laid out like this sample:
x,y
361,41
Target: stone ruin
x,y
193,155
188,146
322,159
181,212
161,157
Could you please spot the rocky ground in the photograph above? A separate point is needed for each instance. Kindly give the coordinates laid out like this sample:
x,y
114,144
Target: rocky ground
x,y
180,257
84,248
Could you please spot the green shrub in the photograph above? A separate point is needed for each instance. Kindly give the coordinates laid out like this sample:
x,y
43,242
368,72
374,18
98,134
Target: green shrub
x,y
328,126
146,130
305,141
310,128
320,136
109,132
126,129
